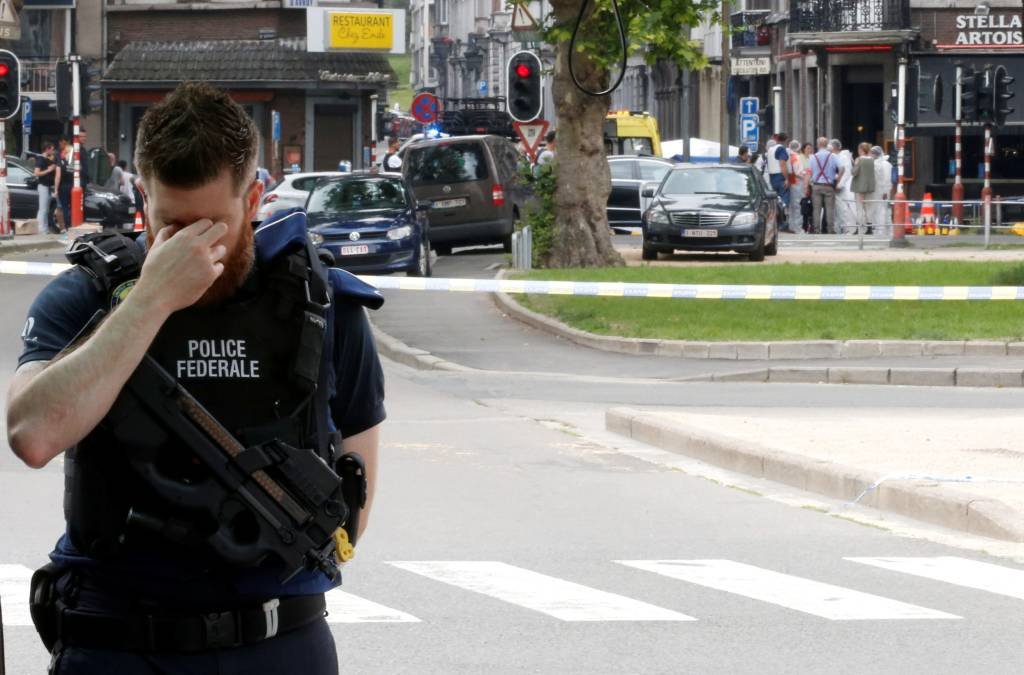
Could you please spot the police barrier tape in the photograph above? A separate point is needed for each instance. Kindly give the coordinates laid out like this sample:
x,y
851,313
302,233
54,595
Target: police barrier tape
x,y
630,290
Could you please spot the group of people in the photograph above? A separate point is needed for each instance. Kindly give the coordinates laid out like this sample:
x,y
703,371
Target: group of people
x,y
55,176
824,188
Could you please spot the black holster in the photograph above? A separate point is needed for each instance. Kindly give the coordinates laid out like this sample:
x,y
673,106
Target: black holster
x,y
43,602
352,470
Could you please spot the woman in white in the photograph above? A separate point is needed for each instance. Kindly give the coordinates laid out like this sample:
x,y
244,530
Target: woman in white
x,y
878,212
799,174
846,205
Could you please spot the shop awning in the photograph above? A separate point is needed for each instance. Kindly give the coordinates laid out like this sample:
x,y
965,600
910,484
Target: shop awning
x,y
281,63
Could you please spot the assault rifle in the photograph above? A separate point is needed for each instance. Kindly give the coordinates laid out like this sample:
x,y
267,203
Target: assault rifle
x,y
267,500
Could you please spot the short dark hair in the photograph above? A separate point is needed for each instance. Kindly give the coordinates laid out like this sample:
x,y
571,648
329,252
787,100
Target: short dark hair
x,y
550,138
190,137
47,145
123,164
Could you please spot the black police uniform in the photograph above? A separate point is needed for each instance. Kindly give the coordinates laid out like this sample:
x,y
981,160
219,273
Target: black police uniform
x,y
147,581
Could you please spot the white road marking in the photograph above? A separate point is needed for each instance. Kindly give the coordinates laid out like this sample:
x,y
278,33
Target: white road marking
x,y
343,607
14,584
555,597
804,595
960,571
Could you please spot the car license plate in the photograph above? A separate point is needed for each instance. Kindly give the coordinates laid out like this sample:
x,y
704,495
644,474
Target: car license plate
x,y
355,250
705,234
449,203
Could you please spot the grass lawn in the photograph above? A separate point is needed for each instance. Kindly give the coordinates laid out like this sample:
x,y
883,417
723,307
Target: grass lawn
x,y
401,64
720,320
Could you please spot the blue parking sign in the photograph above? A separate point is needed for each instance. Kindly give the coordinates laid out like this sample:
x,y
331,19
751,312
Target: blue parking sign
x,y
749,105
750,131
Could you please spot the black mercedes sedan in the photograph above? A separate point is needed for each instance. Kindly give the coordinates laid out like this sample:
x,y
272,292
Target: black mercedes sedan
x,y
711,207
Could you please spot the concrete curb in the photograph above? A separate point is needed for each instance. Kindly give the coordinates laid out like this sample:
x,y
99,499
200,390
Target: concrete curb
x,y
927,501
799,350
908,377
398,351
15,246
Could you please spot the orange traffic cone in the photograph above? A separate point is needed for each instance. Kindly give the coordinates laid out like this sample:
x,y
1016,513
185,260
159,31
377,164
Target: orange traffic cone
x,y
928,213
139,224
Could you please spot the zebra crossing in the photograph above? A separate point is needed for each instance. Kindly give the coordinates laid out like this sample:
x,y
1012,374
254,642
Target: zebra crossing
x,y
569,601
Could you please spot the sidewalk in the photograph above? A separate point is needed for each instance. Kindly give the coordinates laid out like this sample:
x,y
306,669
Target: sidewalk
x,y
22,243
961,469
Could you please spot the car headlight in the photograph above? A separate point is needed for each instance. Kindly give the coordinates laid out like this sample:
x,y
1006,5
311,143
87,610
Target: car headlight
x,y
400,232
745,219
657,217
315,238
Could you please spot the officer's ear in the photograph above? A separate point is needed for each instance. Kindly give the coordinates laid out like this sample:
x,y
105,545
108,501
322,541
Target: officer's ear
x,y
253,197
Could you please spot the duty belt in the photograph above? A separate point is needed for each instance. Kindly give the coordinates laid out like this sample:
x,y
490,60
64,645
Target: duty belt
x,y
184,633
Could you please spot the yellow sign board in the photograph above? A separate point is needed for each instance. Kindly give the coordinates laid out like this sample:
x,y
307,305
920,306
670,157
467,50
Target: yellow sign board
x,y
361,30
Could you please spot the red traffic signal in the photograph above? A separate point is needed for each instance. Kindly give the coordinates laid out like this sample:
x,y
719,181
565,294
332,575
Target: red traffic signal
x,y
4,69
522,70
525,88
10,86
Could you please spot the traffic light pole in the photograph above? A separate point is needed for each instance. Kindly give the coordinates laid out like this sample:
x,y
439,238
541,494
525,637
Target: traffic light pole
x,y
899,217
958,185
77,207
373,132
6,229
986,192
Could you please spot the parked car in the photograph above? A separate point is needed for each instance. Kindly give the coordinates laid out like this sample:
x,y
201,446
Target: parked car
x,y
371,223
721,207
292,191
626,204
110,209
473,183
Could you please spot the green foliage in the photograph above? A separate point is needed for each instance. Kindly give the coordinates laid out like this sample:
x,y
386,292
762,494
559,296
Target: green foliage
x,y
657,29
402,95
541,214
1013,276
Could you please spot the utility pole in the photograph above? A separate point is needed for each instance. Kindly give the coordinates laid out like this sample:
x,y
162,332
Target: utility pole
x,y
958,185
900,206
687,120
373,132
777,109
723,117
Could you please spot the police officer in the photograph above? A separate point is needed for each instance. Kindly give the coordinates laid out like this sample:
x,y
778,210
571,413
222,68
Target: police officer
x,y
145,602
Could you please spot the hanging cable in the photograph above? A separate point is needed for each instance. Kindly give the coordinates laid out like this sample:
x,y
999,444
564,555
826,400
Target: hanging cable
x,y
622,41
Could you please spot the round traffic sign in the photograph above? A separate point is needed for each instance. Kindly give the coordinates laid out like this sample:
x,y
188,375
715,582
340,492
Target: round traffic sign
x,y
426,108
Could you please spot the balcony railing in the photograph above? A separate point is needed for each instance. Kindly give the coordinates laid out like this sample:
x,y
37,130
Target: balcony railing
x,y
845,16
38,77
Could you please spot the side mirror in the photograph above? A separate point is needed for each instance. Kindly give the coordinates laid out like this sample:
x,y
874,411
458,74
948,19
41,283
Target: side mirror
x,y
31,182
771,194
649,191
424,205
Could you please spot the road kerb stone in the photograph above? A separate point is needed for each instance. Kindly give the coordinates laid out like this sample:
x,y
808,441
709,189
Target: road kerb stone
x,y
985,348
901,347
861,349
758,375
723,350
805,349
858,375
927,501
944,348
1015,349
989,377
752,351
923,377
798,375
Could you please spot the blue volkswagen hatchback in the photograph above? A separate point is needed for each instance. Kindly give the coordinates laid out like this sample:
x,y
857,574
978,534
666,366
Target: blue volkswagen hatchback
x,y
371,223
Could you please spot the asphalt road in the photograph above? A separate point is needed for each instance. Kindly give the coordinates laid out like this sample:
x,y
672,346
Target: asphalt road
x,y
505,514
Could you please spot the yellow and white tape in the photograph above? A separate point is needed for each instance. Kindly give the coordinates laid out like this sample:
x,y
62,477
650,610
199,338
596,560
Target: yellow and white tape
x,y
618,289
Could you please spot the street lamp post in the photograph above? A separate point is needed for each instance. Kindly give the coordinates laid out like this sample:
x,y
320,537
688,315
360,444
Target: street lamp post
x,y
899,216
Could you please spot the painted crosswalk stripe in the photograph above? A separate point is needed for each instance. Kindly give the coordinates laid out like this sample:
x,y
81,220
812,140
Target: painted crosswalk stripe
x,y
803,595
343,607
960,571
555,597
14,582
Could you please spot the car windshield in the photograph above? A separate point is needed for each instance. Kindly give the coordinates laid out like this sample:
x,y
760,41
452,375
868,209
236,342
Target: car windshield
x,y
447,163
709,181
357,195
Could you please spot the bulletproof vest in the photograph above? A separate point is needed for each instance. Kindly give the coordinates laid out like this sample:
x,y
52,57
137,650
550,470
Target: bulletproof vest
x,y
254,363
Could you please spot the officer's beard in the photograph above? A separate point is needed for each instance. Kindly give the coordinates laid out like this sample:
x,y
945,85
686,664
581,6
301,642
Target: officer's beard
x,y
237,265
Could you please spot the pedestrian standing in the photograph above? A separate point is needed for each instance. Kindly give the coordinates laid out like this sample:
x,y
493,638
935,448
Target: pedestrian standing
x,y
795,188
64,180
806,208
46,173
392,160
548,156
778,169
846,212
743,156
863,185
880,213
824,170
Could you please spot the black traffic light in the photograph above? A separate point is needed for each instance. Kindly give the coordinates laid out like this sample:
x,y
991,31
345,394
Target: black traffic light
x,y
91,100
10,84
525,93
986,97
968,95
1001,94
